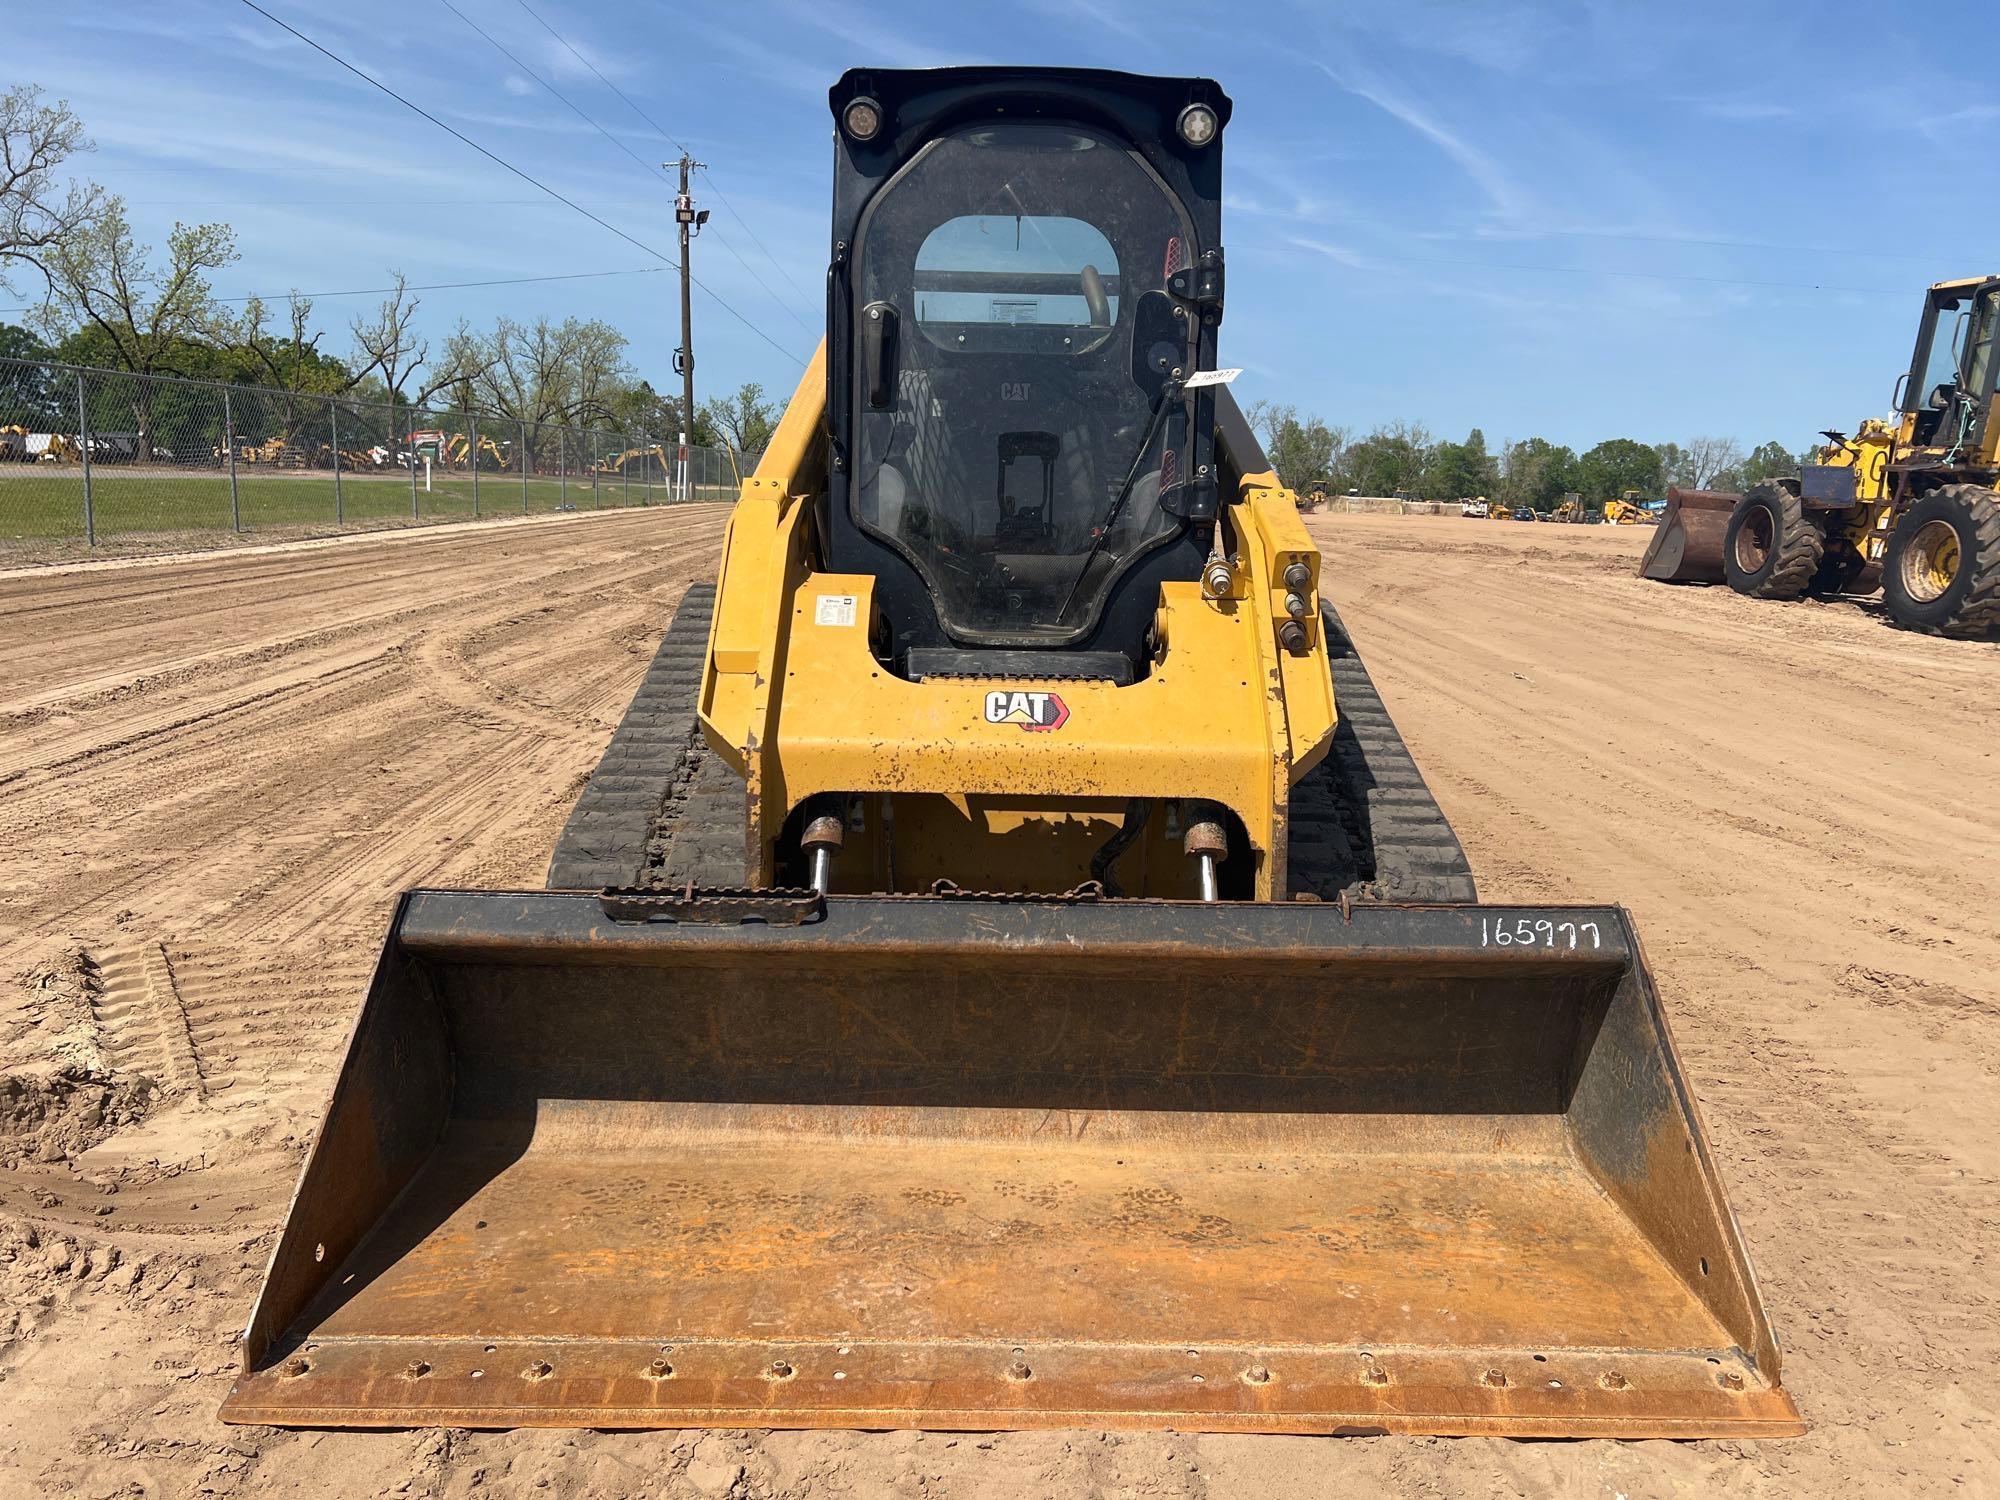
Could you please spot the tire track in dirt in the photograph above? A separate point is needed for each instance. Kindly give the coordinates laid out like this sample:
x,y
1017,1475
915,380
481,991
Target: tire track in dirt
x,y
1798,805
1751,780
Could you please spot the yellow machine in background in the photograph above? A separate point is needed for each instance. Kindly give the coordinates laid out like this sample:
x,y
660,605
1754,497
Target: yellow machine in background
x,y
1007,970
279,452
648,462
1909,504
1629,509
458,450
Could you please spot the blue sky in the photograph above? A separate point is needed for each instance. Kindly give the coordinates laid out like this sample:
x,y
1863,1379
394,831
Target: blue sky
x,y
1577,220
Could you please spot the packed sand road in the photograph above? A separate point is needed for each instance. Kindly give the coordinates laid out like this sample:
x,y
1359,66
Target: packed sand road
x,y
215,774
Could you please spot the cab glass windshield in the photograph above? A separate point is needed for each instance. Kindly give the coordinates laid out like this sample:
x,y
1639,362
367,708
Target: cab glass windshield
x,y
1016,426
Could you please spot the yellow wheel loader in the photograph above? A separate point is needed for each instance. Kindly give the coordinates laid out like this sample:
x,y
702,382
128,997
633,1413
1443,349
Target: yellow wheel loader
x,y
1909,505
1007,970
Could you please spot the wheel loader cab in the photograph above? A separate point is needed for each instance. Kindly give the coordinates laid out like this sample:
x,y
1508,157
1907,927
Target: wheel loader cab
x,y
1025,268
1947,397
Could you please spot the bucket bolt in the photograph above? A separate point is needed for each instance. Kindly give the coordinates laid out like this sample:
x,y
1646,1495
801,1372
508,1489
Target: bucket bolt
x,y
824,833
1206,842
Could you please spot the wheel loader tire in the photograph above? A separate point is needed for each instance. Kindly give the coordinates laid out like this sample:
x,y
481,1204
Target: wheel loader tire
x,y
1363,823
1942,569
641,818
1771,551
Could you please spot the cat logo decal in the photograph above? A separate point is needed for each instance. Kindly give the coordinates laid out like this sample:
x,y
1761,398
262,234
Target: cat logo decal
x,y
1031,710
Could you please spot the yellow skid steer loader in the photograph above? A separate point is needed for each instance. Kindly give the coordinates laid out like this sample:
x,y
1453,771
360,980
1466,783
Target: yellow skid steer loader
x,y
1007,971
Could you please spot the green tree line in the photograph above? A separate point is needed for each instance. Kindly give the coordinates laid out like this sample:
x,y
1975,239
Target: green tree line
x,y
1406,458
103,298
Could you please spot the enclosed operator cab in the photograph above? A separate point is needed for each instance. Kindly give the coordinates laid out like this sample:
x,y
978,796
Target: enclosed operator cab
x,y
1025,269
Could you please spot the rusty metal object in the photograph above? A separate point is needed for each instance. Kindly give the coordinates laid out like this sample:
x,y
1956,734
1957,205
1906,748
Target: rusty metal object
x,y
1206,842
1687,545
951,890
958,1164
711,905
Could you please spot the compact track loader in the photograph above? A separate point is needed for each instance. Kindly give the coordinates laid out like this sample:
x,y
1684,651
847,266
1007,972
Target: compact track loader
x,y
1007,971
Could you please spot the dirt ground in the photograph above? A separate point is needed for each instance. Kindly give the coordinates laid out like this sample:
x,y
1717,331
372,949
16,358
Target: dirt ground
x,y
216,773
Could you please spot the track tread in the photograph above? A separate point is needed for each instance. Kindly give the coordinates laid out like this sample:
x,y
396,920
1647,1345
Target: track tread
x,y
611,833
1363,822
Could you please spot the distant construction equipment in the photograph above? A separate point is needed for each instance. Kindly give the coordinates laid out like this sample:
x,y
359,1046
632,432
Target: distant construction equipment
x,y
1907,505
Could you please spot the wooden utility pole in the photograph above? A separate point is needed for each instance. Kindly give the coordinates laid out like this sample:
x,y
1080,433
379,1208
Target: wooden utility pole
x,y
690,222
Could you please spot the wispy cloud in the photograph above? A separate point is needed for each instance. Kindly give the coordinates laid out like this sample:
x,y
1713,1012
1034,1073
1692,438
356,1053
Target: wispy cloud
x,y
516,85
1501,191
1752,111
1499,38
865,39
1960,122
1340,255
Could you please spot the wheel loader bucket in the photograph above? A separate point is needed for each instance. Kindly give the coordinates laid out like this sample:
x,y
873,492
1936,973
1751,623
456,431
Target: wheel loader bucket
x,y
1687,545
773,1161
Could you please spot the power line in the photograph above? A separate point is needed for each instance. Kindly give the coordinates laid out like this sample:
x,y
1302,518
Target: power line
x,y
341,203
645,165
776,264
500,161
433,286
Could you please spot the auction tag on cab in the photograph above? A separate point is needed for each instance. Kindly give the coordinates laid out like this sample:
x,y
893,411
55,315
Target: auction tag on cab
x,y
1210,377
834,609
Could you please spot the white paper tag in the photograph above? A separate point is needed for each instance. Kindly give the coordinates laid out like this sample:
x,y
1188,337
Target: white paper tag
x,y
1210,377
834,609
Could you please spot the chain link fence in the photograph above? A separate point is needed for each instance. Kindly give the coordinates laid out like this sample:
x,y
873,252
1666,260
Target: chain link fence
x,y
94,457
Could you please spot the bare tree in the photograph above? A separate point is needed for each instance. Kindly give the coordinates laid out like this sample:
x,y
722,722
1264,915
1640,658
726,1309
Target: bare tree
x,y
745,420
36,214
388,343
563,372
1704,458
152,316
288,359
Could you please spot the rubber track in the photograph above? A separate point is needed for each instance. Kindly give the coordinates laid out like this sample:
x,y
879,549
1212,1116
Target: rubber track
x,y
1363,821
663,809
649,763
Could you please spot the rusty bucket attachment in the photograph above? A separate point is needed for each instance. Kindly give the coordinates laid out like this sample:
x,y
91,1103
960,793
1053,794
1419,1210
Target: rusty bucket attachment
x,y
975,1164
1687,546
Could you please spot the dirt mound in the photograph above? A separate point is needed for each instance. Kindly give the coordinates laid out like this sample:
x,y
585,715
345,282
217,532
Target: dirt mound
x,y
61,1097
